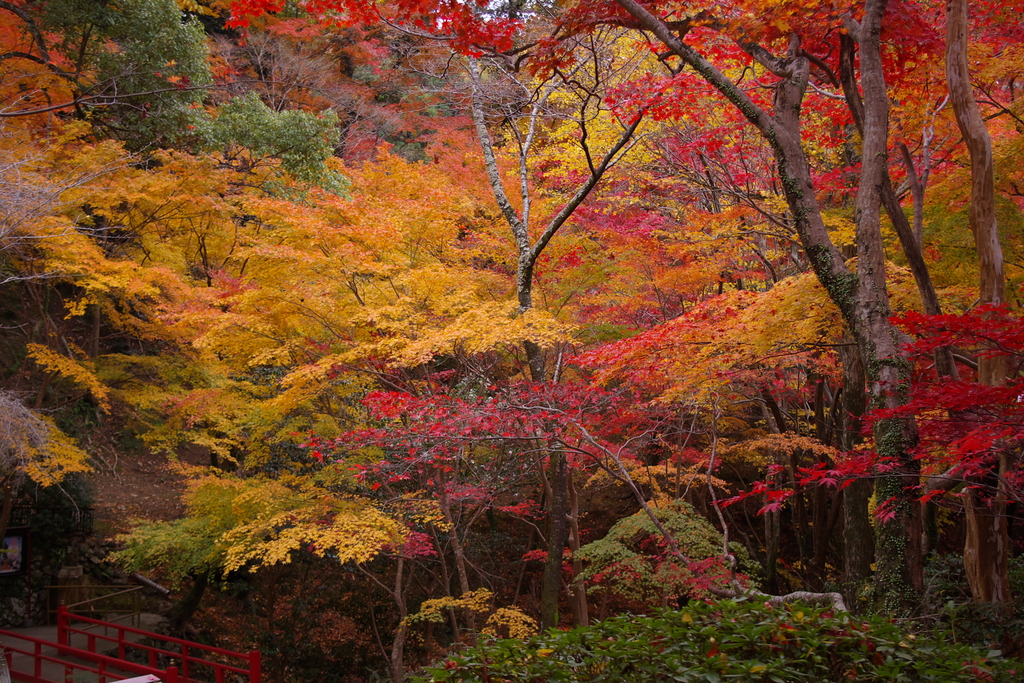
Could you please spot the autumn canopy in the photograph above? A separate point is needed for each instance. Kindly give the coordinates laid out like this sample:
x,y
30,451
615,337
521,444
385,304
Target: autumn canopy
x,y
461,320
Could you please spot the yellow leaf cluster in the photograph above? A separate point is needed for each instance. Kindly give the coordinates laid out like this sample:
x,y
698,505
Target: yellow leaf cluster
x,y
717,344
70,370
196,7
350,533
59,457
32,445
263,522
661,480
510,622
433,610
769,447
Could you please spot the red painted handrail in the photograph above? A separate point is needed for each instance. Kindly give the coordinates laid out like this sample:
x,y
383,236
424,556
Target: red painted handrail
x,y
106,669
247,664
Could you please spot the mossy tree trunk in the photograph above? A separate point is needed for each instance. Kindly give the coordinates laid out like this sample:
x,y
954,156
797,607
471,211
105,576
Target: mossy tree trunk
x,y
858,534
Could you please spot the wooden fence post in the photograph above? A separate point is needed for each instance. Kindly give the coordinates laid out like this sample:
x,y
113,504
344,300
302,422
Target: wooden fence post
x,y
254,666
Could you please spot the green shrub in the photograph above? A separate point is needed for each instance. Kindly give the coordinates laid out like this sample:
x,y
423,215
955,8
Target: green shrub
x,y
949,596
633,561
729,641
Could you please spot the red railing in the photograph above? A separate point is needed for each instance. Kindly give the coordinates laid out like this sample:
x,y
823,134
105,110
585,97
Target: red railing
x,y
105,669
191,655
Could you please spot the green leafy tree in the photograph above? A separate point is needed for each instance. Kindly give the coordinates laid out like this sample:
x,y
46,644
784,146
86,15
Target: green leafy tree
x,y
136,68
247,131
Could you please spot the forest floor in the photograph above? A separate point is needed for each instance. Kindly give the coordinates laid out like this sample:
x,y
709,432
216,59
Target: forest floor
x,y
139,485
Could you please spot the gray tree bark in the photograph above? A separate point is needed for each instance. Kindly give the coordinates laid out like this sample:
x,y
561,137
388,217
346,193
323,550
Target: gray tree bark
x,y
528,251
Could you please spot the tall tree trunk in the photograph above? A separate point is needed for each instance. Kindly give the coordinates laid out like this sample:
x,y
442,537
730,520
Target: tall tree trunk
x,y
861,297
528,250
987,542
898,560
773,518
185,607
551,583
772,536
828,507
461,572
909,236
446,582
578,589
398,644
858,535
